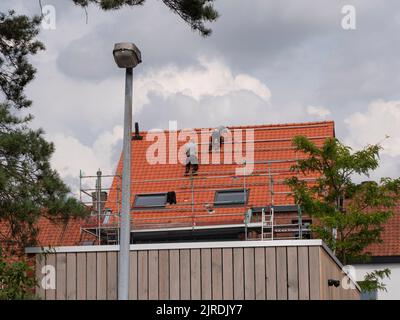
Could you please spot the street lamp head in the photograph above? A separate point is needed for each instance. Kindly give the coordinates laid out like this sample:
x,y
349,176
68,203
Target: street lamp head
x,y
126,55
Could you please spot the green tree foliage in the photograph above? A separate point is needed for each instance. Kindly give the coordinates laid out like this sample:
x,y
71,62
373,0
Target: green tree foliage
x,y
193,12
29,187
16,280
372,280
349,216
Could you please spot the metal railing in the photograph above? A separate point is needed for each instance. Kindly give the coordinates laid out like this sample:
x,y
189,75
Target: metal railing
x,y
194,214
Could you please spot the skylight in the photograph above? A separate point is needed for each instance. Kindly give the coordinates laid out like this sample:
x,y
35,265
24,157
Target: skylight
x,y
231,197
150,200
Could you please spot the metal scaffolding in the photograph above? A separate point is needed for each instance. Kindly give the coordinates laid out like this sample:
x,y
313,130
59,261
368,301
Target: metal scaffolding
x,y
191,214
95,199
195,215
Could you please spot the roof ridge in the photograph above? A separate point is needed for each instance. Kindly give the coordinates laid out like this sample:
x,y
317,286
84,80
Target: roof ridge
x,y
267,126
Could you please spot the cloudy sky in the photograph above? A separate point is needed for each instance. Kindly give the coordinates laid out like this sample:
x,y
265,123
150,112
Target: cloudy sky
x,y
267,61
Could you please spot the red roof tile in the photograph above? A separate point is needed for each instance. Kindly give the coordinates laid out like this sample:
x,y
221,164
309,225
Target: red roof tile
x,y
55,232
274,142
58,233
271,143
390,245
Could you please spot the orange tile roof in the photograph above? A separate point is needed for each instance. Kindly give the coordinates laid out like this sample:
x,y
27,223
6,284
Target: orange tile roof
x,y
390,245
274,142
54,232
57,233
271,143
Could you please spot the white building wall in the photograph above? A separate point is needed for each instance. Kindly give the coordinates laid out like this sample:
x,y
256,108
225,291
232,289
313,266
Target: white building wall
x,y
392,284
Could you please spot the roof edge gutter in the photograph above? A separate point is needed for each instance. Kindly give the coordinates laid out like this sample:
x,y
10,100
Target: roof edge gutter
x,y
177,245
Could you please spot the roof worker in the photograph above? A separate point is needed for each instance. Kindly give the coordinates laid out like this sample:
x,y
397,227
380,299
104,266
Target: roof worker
x,y
217,139
191,158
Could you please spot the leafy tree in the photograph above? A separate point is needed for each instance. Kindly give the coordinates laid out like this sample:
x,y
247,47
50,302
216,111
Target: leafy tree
x,y
372,280
349,216
16,280
29,187
193,12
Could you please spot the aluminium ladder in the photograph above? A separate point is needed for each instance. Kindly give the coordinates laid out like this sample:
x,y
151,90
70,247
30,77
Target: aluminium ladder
x,y
267,222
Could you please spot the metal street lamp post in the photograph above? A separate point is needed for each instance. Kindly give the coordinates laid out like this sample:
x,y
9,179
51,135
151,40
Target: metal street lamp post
x,y
127,56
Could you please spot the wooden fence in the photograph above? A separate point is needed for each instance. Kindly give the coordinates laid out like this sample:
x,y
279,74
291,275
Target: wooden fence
x,y
240,270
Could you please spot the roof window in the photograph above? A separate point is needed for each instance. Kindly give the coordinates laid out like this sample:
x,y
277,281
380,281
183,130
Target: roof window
x,y
231,197
155,200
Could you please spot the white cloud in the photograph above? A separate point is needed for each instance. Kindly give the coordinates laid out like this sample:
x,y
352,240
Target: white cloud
x,y
63,103
380,120
378,124
72,155
209,78
318,111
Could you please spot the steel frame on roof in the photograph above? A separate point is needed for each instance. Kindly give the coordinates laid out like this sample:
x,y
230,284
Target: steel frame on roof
x,y
289,139
193,207
270,174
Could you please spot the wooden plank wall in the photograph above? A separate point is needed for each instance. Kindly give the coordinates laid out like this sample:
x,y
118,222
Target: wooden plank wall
x,y
329,270
262,273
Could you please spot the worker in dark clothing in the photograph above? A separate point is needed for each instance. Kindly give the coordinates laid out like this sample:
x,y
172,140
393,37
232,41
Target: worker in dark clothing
x,y
191,158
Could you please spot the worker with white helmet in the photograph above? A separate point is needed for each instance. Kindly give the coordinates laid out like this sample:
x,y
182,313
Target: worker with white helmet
x,y
191,157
